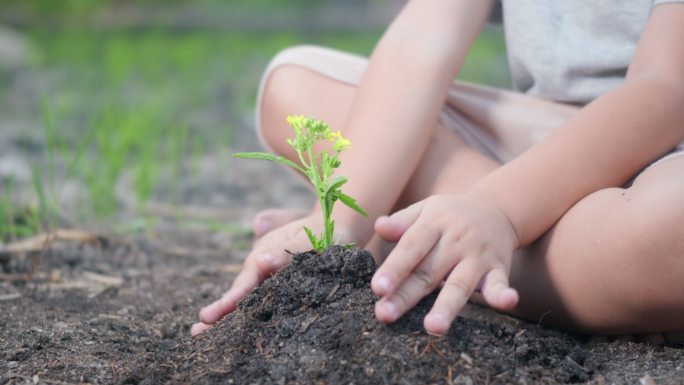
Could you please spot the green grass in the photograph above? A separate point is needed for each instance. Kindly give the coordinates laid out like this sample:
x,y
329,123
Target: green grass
x,y
127,111
16,222
126,103
79,11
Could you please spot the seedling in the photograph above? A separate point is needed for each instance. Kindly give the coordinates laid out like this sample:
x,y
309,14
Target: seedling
x,y
319,168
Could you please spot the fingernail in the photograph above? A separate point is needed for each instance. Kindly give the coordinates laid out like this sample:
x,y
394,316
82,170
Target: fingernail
x,y
383,284
203,316
263,225
268,258
390,308
195,329
198,329
382,219
510,297
437,321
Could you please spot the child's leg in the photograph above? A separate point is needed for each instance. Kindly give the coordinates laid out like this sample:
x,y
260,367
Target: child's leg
x,y
322,83
611,265
614,263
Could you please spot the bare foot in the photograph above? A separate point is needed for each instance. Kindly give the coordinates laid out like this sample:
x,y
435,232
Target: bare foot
x,y
270,219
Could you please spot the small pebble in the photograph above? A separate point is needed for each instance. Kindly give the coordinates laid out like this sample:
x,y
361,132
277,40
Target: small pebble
x,y
12,365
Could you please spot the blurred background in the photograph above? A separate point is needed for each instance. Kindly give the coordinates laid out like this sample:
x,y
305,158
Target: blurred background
x,y
117,115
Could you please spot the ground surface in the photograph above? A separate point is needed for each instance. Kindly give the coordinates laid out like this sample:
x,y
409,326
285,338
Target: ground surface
x,y
119,311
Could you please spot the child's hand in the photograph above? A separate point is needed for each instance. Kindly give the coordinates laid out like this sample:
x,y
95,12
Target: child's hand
x,y
267,257
459,239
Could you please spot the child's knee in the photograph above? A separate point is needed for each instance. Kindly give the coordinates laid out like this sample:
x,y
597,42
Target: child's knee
x,y
282,75
280,91
653,249
615,261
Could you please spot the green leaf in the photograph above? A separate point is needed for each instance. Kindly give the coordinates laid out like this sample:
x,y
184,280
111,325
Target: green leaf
x,y
337,182
315,243
351,203
271,157
334,185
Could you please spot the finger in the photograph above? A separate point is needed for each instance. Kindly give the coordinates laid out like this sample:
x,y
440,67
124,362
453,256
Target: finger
x,y
264,261
250,277
261,224
420,282
213,312
497,291
391,307
454,294
268,257
271,219
391,228
199,328
412,248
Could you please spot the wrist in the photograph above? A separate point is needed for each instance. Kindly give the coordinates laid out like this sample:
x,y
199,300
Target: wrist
x,y
498,203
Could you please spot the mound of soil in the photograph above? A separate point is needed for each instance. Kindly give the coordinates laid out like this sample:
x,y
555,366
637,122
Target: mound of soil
x,y
313,323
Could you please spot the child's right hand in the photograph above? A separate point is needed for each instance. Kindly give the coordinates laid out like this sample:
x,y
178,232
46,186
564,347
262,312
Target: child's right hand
x,y
267,257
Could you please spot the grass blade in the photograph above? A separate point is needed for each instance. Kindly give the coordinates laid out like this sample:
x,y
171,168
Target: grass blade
x,y
271,157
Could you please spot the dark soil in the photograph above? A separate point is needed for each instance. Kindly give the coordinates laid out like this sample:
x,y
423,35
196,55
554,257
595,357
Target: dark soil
x,y
313,323
119,312
88,313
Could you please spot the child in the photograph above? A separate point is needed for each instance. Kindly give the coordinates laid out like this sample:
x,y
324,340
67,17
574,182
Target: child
x,y
559,205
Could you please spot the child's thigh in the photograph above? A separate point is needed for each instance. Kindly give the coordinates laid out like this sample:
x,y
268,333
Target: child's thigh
x,y
614,262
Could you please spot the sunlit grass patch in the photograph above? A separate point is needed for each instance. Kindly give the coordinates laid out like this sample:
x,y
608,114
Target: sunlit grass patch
x,y
16,222
146,105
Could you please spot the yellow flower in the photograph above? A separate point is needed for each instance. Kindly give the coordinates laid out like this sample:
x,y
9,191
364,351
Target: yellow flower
x,y
341,144
333,136
296,122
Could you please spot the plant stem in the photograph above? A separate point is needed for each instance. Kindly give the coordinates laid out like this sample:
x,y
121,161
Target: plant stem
x,y
320,184
327,213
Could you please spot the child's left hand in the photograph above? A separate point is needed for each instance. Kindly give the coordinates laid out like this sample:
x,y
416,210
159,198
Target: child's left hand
x,y
461,240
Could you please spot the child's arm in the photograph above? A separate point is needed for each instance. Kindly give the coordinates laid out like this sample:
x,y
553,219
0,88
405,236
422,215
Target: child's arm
x,y
608,142
399,99
392,115
605,144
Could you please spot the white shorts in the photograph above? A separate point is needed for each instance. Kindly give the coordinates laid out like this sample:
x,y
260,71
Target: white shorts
x,y
500,124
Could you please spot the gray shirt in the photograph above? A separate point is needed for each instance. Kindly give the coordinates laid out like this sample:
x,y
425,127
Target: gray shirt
x,y
572,51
